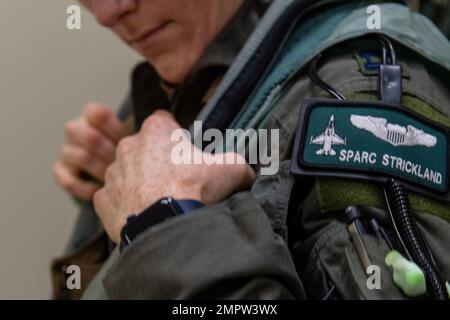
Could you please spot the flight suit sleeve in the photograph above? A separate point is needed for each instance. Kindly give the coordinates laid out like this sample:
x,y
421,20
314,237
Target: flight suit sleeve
x,y
225,251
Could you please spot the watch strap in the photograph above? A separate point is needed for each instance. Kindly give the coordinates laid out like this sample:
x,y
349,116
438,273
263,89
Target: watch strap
x,y
159,212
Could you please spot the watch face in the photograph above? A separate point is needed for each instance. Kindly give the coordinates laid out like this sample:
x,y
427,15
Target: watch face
x,y
162,210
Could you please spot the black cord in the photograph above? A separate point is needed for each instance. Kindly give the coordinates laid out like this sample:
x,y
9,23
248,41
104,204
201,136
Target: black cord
x,y
322,84
394,224
388,51
399,205
387,47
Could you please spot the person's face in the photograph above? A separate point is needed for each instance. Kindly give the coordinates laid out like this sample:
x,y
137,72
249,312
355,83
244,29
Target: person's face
x,y
170,34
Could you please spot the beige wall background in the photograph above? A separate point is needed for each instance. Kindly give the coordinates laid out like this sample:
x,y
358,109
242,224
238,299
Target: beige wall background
x,y
47,74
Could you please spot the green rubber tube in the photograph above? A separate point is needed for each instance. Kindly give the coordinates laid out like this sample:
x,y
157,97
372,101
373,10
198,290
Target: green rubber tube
x,y
406,274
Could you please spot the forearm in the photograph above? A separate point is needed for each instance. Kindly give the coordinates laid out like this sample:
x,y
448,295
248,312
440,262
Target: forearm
x,y
227,251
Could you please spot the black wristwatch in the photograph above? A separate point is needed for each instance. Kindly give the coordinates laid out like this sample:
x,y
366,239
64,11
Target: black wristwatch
x,y
162,210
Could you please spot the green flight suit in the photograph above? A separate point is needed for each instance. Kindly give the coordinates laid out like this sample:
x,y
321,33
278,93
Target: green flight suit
x,y
286,238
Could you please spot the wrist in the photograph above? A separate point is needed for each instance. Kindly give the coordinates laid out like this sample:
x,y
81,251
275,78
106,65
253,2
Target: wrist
x,y
192,193
162,210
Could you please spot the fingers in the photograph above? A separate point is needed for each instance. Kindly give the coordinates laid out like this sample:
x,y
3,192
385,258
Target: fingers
x,y
228,175
77,159
73,184
82,134
90,147
249,178
163,113
104,119
161,121
241,174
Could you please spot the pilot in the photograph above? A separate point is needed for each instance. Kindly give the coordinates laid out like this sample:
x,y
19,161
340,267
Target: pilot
x,y
166,231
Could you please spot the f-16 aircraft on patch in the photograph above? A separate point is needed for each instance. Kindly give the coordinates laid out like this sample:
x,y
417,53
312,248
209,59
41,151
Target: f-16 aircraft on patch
x,y
328,139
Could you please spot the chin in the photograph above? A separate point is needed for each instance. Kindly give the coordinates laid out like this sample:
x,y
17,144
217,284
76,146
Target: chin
x,y
172,76
173,68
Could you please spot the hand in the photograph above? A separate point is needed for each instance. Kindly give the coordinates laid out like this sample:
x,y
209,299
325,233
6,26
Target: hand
x,y
144,172
90,148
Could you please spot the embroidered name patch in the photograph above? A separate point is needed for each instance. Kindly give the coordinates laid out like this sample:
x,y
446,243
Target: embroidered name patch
x,y
371,140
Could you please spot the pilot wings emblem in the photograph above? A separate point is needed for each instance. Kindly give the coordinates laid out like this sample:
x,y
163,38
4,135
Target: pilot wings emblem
x,y
394,134
328,139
